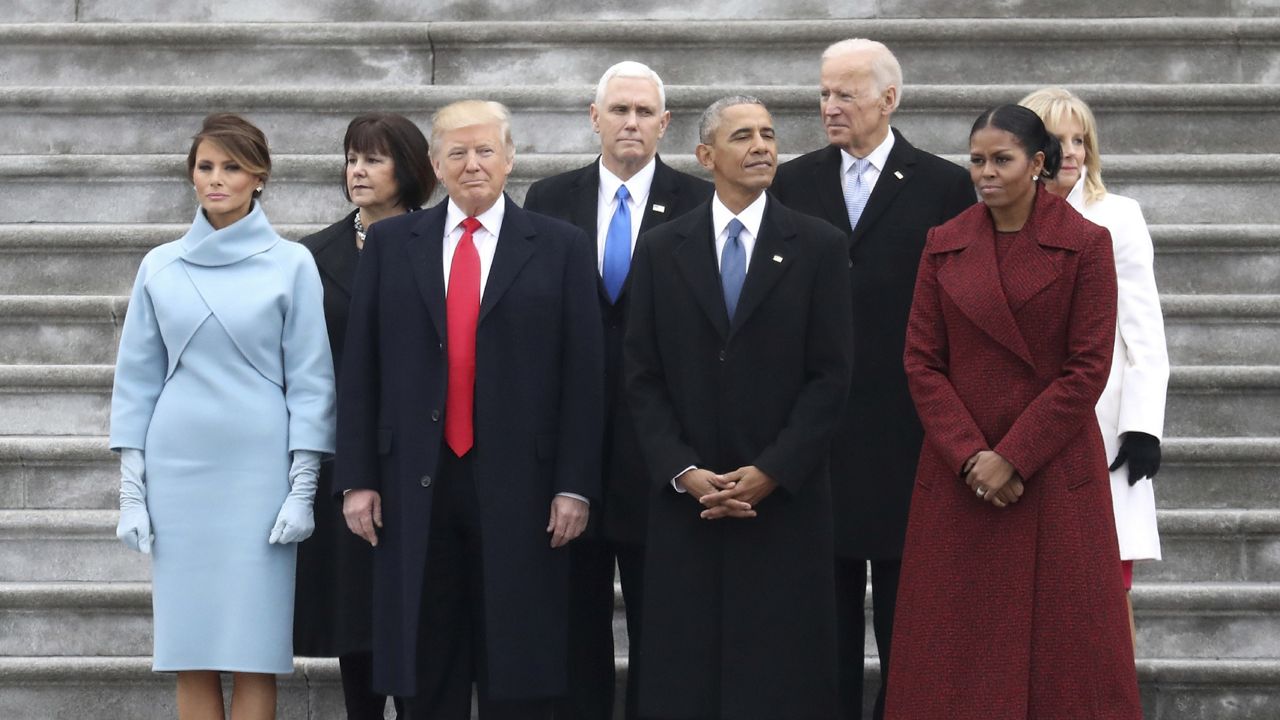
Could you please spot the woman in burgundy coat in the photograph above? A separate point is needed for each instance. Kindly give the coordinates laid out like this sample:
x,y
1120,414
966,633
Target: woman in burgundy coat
x,y
1011,605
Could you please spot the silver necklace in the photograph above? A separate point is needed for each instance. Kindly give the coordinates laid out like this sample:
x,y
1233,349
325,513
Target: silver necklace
x,y
359,228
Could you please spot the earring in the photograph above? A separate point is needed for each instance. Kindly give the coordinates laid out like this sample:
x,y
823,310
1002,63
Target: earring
x,y
259,188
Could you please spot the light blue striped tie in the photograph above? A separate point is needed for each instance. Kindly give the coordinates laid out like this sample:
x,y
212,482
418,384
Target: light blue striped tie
x,y
856,191
617,247
733,266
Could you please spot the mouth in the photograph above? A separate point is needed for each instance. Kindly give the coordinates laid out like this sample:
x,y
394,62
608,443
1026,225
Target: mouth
x,y
989,189
217,196
359,187
759,164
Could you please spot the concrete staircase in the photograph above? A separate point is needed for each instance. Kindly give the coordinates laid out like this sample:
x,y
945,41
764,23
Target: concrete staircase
x,y
99,97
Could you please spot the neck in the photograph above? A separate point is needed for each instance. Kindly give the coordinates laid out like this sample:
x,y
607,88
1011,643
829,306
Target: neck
x,y
1058,188
219,221
624,169
1012,218
864,146
473,210
737,200
372,214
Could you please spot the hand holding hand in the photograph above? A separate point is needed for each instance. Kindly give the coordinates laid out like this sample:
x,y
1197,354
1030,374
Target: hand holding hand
x,y
744,488
295,522
362,509
1142,452
134,527
988,473
568,519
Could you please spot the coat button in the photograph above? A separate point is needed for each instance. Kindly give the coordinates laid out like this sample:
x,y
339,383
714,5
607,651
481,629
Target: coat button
x,y
435,416
425,481
441,346
721,356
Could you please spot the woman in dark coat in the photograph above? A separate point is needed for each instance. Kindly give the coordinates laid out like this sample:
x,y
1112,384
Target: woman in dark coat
x,y
387,173
1011,605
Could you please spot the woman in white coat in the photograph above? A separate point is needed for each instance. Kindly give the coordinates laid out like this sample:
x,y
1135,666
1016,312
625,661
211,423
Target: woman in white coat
x,y
1131,409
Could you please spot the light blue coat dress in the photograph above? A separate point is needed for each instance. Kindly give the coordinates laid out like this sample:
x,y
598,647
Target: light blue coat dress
x,y
223,370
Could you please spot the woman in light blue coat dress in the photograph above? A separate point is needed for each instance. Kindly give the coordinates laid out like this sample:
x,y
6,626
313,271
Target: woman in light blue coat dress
x,y
222,407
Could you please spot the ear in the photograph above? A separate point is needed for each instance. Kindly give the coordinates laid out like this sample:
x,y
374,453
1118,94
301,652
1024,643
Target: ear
x,y
706,156
889,99
1037,163
663,122
595,119
435,167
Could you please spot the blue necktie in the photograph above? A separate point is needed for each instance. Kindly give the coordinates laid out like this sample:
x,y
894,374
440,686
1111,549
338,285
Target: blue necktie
x,y
617,247
856,192
733,266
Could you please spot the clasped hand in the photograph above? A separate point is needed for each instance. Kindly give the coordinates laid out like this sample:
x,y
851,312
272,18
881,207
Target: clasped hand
x,y
992,478
730,495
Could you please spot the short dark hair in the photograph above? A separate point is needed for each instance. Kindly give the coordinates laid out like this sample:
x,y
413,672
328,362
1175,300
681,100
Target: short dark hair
x,y
1028,129
398,138
238,138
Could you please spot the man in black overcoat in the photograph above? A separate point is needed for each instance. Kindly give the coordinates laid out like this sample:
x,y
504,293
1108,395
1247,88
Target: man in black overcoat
x,y
886,211
630,116
472,391
737,358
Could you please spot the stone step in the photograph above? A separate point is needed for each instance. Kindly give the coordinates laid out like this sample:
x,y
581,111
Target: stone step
x,y
79,473
1194,189
1220,258
237,11
1216,546
1215,473
1217,118
101,259
1203,620
1230,545
1223,401
71,473
85,329
704,50
1222,329
1204,401
110,688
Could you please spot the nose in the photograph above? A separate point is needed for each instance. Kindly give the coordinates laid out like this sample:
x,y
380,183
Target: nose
x,y
473,162
633,120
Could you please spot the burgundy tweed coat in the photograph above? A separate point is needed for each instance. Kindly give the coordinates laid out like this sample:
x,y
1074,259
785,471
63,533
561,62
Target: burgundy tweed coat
x,y
1014,613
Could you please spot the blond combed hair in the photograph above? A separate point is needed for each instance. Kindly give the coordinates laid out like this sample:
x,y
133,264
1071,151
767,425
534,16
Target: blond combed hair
x,y
465,113
1055,106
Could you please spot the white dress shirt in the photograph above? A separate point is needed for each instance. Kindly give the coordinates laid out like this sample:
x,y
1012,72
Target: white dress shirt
x,y
877,158
607,204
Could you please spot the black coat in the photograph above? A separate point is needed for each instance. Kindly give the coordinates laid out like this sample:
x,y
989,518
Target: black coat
x,y
745,608
572,197
335,576
538,411
873,458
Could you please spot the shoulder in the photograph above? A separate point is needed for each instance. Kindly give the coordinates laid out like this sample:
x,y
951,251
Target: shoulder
x,y
556,185
1060,225
343,229
812,229
545,226
683,180
799,166
957,232
159,257
1113,208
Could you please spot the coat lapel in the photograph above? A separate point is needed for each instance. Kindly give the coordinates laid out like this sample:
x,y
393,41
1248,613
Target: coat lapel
x,y
897,172
514,250
695,256
830,188
972,280
769,261
1028,266
426,253
337,257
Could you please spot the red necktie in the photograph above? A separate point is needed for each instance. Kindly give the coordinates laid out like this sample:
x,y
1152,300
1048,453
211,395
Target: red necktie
x,y
463,308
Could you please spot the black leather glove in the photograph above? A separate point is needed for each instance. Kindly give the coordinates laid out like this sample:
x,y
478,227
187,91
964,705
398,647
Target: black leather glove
x,y
1142,452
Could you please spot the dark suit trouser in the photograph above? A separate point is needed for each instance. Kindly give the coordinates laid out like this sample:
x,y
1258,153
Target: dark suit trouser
x,y
361,701
451,649
851,597
591,605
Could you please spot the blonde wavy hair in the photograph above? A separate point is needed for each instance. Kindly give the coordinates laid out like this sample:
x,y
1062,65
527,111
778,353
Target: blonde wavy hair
x,y
1057,105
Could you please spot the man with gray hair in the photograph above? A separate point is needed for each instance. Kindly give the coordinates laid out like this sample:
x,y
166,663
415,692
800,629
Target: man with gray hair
x,y
737,358
470,406
626,191
885,195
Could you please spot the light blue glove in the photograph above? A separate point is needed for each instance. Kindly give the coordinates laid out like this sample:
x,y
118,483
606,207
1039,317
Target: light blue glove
x,y
295,522
134,528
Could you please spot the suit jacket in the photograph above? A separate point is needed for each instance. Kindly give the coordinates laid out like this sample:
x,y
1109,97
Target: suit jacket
x,y
873,457
332,612
572,197
538,410
1135,394
765,389
1012,356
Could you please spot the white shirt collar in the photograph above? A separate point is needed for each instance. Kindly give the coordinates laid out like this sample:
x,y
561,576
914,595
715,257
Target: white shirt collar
x,y
878,157
637,186
1075,198
750,217
490,219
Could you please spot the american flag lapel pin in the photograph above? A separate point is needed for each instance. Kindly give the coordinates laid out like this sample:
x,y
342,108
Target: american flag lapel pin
x,y
777,258
897,174
659,208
